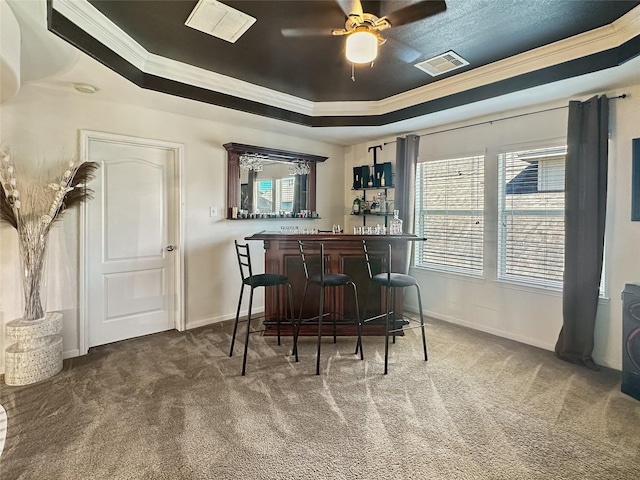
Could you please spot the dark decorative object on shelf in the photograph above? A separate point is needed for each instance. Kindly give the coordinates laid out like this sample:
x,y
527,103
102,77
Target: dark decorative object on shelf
x,y
380,176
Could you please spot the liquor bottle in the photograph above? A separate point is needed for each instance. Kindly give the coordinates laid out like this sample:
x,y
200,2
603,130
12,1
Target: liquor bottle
x,y
382,203
355,209
395,225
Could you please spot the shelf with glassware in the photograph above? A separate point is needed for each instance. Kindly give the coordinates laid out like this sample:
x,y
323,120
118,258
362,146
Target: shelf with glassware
x,y
376,177
378,206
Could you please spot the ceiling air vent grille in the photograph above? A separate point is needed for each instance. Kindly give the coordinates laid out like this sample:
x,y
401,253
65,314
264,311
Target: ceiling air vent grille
x,y
219,20
442,63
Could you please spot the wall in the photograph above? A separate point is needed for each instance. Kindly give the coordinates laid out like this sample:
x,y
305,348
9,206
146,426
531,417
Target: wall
x,y
529,315
41,126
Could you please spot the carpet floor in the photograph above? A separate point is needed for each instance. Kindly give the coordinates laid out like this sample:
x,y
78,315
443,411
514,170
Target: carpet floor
x,y
174,406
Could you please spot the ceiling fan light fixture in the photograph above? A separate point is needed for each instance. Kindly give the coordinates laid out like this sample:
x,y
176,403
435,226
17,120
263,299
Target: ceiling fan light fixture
x,y
362,47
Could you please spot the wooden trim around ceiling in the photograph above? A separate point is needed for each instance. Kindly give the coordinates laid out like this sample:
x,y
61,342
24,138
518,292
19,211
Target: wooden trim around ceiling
x,y
65,29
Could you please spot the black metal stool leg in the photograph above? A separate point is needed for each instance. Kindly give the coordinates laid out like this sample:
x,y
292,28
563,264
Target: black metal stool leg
x,y
333,314
386,332
291,315
320,330
364,317
297,327
235,325
393,319
246,342
424,337
359,319
277,287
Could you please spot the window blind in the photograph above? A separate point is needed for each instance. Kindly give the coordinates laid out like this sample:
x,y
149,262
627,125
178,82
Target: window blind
x,y
450,214
531,217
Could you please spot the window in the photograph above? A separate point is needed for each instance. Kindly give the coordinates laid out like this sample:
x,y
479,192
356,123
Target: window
x,y
283,193
450,214
286,188
264,195
531,216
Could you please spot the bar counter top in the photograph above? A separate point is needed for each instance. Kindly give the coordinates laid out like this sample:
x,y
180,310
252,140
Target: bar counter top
x,y
324,237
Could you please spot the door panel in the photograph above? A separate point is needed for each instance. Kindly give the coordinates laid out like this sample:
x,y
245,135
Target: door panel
x,y
130,273
133,188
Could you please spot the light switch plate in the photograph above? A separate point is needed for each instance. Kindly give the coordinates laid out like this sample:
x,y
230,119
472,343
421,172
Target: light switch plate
x,y
213,212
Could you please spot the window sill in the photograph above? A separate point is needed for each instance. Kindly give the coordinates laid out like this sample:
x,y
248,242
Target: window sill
x,y
525,287
541,290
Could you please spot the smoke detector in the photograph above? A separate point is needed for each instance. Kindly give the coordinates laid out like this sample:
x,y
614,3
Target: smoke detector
x,y
84,88
442,63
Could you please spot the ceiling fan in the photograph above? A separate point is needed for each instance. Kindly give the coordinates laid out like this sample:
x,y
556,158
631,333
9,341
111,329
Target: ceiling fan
x,y
363,29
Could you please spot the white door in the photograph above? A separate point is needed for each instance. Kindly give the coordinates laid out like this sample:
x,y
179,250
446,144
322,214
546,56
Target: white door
x,y
131,235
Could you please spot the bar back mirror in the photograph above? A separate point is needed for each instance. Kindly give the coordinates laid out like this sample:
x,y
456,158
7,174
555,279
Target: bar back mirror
x,y
264,182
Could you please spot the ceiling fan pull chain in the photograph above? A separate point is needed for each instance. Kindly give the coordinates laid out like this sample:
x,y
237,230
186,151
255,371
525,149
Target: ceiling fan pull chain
x,y
353,72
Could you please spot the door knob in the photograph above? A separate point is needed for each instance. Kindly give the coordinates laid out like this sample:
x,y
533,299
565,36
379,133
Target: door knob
x,y
171,248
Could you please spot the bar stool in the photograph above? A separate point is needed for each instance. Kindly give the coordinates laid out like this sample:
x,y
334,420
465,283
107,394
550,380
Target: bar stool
x,y
391,281
313,260
254,281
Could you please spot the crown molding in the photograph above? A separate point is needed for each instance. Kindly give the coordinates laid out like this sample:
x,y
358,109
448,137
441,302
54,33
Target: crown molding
x,y
609,36
190,75
95,24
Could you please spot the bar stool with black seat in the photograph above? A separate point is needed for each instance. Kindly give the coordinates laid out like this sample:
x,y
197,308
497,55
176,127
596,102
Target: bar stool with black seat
x,y
315,270
391,281
253,281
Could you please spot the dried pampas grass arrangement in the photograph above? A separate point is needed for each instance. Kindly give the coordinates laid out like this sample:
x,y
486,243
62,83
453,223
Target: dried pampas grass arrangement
x,y
32,208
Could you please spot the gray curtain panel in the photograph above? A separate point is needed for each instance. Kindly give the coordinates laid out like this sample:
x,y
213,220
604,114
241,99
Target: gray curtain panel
x,y
585,208
405,183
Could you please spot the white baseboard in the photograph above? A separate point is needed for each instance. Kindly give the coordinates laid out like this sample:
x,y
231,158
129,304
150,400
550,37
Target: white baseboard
x,y
494,331
211,320
71,353
483,328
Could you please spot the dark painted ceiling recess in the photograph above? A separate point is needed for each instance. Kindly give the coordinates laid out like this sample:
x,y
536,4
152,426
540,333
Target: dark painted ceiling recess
x,y
313,66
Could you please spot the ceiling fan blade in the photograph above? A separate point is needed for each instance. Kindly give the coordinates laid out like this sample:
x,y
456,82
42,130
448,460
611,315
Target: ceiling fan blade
x,y
350,7
415,12
305,32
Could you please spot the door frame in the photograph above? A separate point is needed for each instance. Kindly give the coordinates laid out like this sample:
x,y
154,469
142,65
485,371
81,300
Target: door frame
x,y
179,313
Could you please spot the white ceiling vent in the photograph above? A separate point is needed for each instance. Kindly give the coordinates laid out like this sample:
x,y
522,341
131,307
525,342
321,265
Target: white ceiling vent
x,y
442,63
219,20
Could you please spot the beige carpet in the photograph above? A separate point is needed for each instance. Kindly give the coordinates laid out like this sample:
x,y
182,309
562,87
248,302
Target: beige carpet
x,y
173,406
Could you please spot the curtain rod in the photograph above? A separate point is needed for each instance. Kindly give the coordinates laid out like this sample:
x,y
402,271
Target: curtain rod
x,y
624,95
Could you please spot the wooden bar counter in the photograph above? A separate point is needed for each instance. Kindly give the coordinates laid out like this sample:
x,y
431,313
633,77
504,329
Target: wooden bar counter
x,y
344,254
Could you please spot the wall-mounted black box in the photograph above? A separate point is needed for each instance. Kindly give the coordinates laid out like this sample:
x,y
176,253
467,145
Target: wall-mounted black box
x,y
357,177
366,175
378,178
